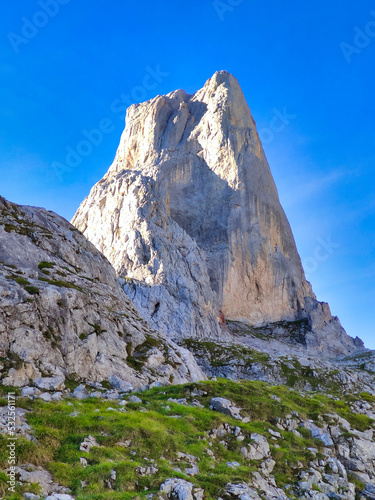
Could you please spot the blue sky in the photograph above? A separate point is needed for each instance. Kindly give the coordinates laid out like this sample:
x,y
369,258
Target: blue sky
x,y
65,67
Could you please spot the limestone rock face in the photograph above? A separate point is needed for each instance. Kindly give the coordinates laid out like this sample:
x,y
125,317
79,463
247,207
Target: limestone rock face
x,y
63,313
190,218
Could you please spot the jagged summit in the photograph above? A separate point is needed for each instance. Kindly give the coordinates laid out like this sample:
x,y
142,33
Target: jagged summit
x,y
190,218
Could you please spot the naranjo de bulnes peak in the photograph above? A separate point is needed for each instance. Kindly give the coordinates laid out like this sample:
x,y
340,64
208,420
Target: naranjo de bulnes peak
x,y
166,344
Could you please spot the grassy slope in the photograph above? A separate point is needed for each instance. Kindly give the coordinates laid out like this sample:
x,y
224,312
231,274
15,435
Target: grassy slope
x,y
156,435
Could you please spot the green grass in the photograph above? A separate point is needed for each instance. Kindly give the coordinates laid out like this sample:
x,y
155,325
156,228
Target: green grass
x,y
32,290
45,265
61,284
22,281
97,328
367,397
156,435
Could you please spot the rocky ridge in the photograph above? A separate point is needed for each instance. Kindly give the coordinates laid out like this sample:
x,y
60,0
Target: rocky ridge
x,y
276,354
189,216
64,315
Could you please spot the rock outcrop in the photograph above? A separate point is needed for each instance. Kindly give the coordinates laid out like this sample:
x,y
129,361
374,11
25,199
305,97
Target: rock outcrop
x,y
189,216
64,315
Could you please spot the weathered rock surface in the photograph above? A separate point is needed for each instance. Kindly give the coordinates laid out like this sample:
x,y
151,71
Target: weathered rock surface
x,y
177,488
258,449
64,315
225,406
189,216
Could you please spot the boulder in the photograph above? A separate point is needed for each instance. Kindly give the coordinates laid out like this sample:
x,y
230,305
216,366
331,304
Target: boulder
x,y
50,383
80,392
258,449
177,489
243,491
318,433
88,443
117,383
226,407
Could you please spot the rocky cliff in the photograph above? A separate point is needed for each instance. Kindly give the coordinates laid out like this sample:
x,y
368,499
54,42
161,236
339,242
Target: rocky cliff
x,y
189,216
63,314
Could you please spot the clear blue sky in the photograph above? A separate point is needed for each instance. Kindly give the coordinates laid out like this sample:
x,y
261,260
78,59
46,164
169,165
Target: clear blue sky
x,y
65,71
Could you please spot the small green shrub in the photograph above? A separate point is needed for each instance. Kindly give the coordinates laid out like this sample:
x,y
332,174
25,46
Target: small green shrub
x,y
22,281
45,265
97,328
61,284
32,290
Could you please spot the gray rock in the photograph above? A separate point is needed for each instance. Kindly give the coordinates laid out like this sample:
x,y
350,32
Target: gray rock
x,y
46,396
186,457
363,450
57,396
267,466
80,392
226,407
88,443
112,395
192,471
59,496
32,474
318,432
147,471
30,391
258,449
243,491
337,467
117,383
369,491
178,489
233,465
363,477
50,383
135,399
21,376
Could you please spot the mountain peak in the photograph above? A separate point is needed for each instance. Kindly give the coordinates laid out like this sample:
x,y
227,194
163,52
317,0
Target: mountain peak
x,y
190,217
220,77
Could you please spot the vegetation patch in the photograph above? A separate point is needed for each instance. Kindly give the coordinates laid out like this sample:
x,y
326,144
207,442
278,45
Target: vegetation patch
x,y
97,328
32,290
151,433
22,281
139,355
45,265
62,284
220,355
